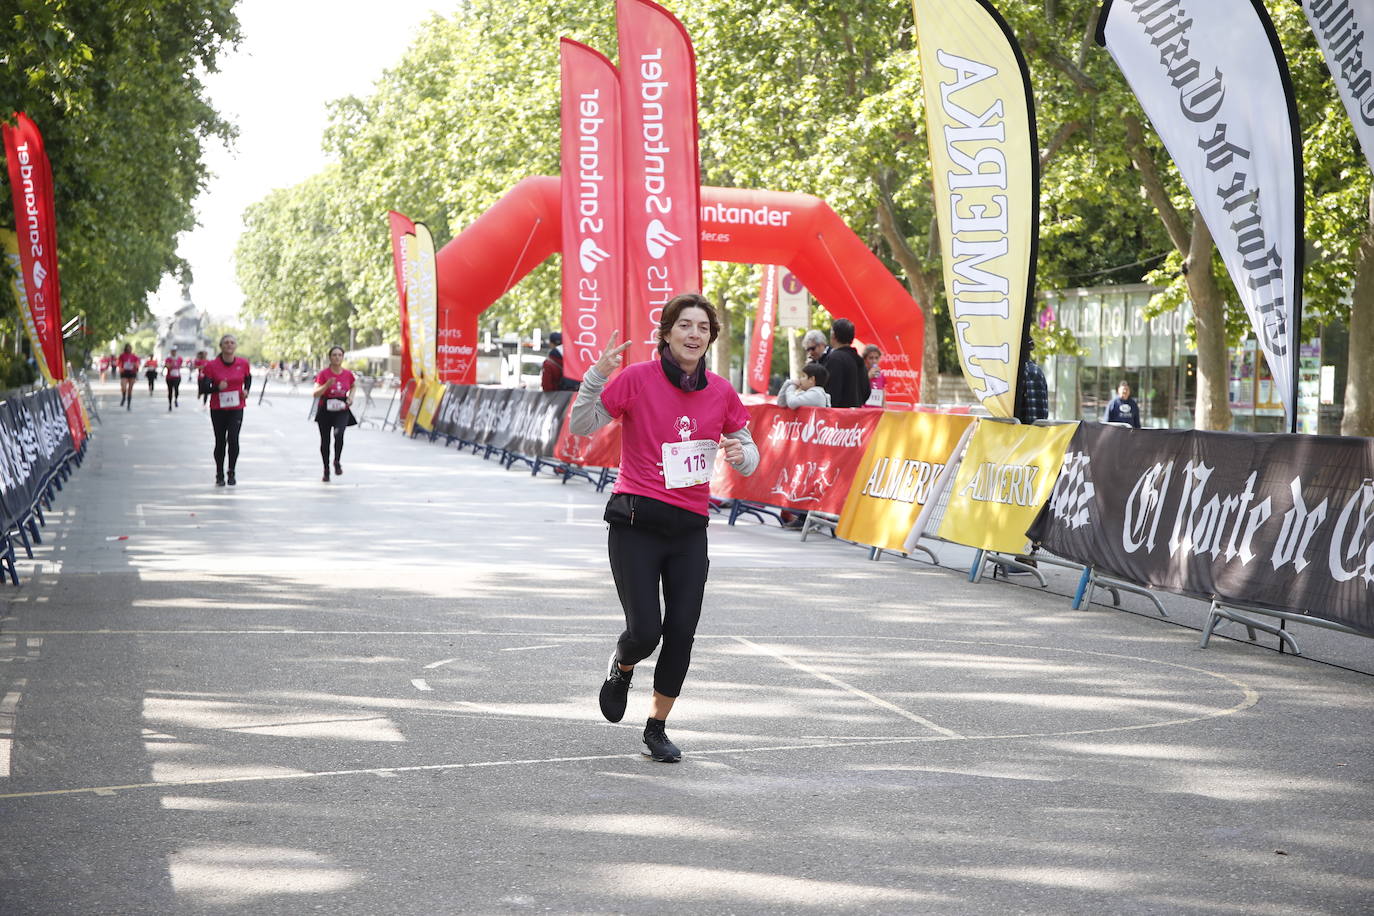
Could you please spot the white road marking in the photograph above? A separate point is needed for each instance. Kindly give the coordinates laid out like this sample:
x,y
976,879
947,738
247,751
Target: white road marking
x,y
876,701
439,664
528,648
419,683
138,510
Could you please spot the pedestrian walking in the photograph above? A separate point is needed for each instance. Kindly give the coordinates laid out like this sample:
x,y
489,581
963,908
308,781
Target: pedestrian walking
x,y
675,416
334,407
171,371
128,371
228,379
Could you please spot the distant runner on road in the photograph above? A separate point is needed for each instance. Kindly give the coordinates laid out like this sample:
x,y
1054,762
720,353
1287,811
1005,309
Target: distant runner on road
x,y
334,392
128,371
230,378
171,370
675,415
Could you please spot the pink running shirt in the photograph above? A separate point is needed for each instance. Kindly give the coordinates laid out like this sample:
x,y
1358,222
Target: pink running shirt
x,y
655,411
173,366
234,374
339,385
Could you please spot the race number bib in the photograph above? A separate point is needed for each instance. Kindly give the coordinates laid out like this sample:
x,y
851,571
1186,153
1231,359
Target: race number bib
x,y
686,464
335,404
174,372
228,399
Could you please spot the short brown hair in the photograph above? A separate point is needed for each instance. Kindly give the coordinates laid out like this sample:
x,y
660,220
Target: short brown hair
x,y
674,309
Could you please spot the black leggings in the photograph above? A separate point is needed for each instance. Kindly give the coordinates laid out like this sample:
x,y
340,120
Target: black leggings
x,y
226,424
324,442
640,560
173,390
152,377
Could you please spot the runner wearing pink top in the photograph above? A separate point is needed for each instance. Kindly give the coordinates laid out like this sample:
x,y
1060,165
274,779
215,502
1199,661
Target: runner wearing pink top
x,y
675,417
128,362
333,410
171,371
230,378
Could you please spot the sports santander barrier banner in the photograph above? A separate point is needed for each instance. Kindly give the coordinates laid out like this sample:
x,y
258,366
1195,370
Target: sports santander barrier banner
x,y
1212,78
1345,33
894,480
402,226
807,457
985,170
599,450
761,343
72,410
593,214
1284,522
662,171
36,223
1006,476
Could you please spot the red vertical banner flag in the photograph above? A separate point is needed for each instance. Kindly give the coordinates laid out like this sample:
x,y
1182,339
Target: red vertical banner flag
x,y
36,225
662,170
761,344
401,226
593,214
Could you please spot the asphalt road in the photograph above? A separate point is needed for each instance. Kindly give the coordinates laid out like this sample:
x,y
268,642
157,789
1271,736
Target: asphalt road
x,y
378,695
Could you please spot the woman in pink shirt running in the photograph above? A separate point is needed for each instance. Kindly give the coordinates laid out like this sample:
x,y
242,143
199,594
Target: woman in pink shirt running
x,y
230,377
334,410
675,416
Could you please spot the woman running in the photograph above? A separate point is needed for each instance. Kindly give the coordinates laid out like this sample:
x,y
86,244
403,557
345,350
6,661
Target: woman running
x,y
199,363
675,415
230,378
128,371
171,370
334,391
150,371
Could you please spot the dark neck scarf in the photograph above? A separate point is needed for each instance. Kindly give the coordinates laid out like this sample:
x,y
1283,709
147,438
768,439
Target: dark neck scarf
x,y
687,382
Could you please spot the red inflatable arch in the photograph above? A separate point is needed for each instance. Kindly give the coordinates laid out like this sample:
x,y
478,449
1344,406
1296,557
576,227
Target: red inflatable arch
x,y
797,231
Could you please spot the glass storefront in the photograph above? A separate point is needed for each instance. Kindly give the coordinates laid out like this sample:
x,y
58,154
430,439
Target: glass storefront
x,y
1154,356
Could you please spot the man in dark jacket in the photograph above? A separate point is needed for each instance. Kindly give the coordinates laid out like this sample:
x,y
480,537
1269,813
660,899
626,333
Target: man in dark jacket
x,y
551,373
848,385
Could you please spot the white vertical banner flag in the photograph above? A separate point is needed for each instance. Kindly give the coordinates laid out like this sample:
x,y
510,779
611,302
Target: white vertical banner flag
x,y
1212,79
1345,33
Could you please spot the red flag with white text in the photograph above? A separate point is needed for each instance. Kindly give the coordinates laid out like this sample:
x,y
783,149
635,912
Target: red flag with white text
x,y
401,226
593,207
662,171
761,344
36,225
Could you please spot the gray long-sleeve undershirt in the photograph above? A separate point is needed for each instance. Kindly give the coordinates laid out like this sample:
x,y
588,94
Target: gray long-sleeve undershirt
x,y
589,414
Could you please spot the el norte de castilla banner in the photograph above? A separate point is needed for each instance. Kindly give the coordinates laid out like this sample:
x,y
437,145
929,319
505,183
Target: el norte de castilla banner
x,y
1212,79
985,169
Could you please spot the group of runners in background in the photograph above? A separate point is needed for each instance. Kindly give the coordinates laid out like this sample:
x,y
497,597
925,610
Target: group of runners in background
x,y
223,382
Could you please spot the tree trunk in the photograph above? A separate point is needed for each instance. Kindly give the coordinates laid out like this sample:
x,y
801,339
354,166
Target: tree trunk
x,y
1213,406
1359,379
922,290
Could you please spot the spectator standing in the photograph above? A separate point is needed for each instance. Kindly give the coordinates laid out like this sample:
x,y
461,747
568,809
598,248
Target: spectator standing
x,y
334,392
230,378
1035,393
809,391
848,385
877,395
551,376
1123,408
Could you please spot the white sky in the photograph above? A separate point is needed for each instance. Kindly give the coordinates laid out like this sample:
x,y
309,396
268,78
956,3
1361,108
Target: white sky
x,y
295,57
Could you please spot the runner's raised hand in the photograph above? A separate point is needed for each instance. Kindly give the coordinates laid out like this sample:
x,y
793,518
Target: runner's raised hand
x,y
610,358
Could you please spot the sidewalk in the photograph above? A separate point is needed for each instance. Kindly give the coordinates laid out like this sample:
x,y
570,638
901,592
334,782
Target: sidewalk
x,y
378,695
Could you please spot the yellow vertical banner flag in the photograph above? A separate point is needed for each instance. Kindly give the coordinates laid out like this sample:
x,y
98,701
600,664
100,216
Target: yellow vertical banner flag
x,y
9,245
985,168
422,301
894,480
1007,474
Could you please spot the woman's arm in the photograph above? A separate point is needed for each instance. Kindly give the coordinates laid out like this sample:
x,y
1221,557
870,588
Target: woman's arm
x,y
588,413
741,451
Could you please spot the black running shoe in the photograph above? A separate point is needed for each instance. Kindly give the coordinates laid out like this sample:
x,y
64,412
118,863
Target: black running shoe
x,y
615,691
230,479
219,480
657,744
338,469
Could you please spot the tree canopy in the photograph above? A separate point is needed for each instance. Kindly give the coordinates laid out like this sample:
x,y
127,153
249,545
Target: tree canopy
x,y
115,87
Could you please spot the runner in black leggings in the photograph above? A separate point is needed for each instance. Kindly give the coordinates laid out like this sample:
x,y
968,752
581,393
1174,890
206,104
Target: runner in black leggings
x,y
334,408
675,415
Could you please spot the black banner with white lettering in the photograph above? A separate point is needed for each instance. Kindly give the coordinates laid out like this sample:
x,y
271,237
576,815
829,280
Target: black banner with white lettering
x,y
1277,521
518,420
34,437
